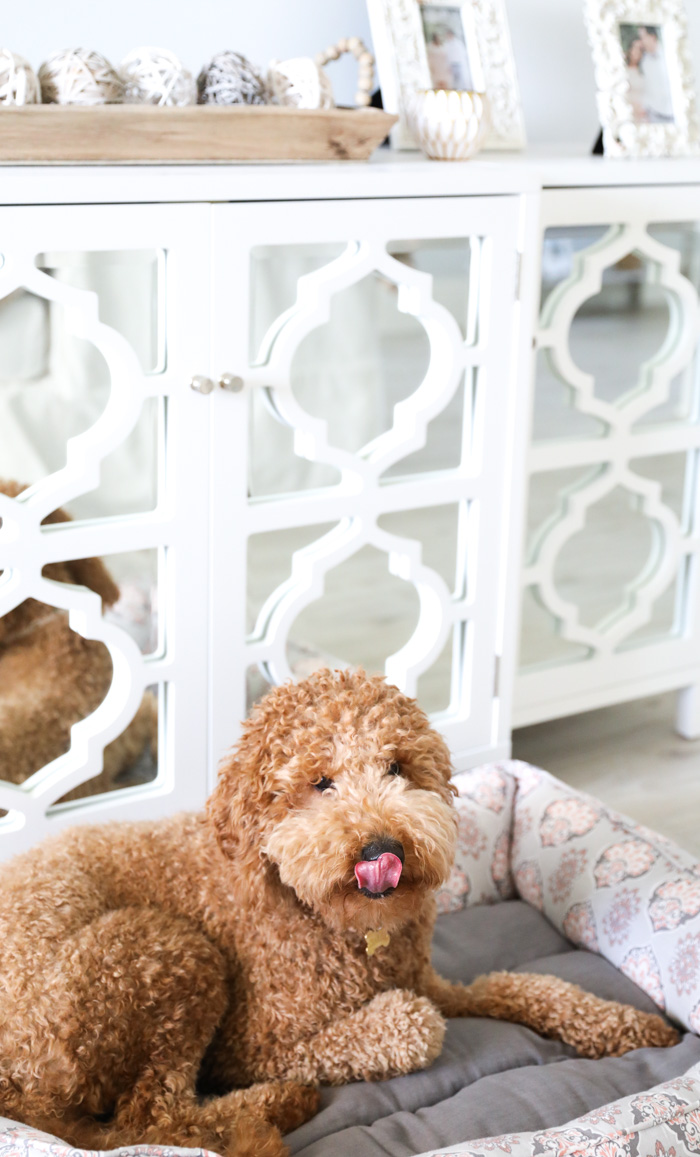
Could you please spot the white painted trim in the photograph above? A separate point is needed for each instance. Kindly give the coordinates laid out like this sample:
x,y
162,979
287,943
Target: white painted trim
x,y
386,175
606,695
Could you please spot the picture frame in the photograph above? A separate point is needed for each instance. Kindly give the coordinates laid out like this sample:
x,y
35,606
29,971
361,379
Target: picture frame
x,y
469,39
644,77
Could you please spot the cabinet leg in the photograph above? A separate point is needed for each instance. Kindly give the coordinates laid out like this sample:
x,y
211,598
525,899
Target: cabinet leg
x,y
688,712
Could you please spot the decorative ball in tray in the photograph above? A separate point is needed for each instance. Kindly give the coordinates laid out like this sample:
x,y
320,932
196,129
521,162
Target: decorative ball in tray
x,y
79,108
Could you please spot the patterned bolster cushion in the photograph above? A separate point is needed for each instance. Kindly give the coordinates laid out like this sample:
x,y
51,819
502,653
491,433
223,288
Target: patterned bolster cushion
x,y
482,872
606,883
663,1122
17,1140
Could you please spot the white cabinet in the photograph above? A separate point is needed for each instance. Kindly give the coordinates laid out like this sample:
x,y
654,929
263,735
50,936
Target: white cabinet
x,y
295,433
309,414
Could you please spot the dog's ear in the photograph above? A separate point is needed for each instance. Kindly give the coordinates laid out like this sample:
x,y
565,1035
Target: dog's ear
x,y
84,572
240,802
92,573
11,488
431,760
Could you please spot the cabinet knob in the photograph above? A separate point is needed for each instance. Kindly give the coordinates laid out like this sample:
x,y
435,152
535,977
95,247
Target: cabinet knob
x,y
231,382
202,384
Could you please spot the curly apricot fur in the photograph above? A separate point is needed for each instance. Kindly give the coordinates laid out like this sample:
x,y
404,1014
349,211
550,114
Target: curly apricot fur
x,y
187,981
51,677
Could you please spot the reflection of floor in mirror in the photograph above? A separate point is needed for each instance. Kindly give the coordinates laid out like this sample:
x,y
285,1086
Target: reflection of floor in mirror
x,y
368,614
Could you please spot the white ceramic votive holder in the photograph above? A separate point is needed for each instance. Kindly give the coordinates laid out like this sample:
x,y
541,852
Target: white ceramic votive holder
x,y
449,124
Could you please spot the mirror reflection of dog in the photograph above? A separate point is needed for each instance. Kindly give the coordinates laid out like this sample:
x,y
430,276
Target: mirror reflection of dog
x,y
189,981
51,677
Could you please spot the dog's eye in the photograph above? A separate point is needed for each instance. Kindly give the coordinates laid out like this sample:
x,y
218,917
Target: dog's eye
x,y
394,769
323,783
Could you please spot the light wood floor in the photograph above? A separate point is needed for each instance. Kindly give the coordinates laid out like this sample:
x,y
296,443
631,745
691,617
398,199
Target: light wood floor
x,y
631,758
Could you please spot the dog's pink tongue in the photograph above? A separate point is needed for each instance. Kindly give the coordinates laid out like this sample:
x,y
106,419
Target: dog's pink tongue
x,y
380,874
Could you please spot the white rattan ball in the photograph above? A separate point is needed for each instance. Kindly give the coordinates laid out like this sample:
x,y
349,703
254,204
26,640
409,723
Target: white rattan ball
x,y
79,76
230,78
299,83
18,80
156,76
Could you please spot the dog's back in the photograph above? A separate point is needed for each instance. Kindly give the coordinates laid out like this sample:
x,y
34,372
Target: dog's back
x,y
50,892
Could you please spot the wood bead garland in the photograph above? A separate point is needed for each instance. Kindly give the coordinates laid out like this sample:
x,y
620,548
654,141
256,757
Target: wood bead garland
x,y
230,78
79,76
156,76
18,81
365,61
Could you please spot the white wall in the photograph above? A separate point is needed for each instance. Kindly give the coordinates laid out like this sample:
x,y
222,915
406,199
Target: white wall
x,y
555,69
549,39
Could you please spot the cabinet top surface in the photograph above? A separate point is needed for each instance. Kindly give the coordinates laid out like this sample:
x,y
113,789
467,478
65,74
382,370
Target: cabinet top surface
x,y
387,174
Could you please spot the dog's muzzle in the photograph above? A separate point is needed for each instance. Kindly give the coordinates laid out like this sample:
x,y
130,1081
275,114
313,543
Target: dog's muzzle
x,y
379,870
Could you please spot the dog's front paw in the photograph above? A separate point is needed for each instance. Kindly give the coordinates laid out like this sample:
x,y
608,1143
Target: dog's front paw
x,y
408,1034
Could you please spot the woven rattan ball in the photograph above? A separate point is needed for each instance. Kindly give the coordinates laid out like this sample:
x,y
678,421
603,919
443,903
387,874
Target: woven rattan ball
x,y
156,76
230,78
18,80
299,83
79,76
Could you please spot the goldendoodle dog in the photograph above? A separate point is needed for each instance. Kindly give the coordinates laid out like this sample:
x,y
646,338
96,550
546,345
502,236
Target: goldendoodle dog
x,y
190,981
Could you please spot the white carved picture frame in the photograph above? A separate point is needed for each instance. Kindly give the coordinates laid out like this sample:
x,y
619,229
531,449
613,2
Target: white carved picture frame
x,y
624,134
402,63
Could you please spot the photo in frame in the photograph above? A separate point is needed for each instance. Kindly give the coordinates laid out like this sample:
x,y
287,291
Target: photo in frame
x,y
644,77
422,44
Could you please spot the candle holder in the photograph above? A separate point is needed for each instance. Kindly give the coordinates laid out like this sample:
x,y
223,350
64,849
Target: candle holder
x,y
449,124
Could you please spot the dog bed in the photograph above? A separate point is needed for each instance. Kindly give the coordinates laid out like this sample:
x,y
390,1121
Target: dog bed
x,y
546,880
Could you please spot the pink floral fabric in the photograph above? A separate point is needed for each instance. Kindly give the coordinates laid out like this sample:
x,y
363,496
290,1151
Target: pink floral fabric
x,y
18,1140
663,1122
481,873
610,885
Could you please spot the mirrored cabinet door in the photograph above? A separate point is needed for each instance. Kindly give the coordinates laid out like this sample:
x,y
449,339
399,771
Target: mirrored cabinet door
x,y
611,579
103,617
361,472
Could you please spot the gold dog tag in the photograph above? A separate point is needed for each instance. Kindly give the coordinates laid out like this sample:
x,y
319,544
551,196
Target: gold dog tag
x,y
376,938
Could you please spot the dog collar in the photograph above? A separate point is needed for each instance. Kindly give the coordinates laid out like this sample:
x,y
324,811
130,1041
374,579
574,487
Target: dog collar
x,y
376,938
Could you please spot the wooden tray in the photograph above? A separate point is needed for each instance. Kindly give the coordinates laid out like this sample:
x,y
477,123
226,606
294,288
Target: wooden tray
x,y
148,133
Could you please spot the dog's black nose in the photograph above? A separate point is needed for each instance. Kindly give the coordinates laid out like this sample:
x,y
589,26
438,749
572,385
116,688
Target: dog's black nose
x,y
377,847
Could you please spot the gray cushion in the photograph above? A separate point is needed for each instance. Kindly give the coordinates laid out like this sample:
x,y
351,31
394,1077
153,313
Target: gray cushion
x,y
491,1077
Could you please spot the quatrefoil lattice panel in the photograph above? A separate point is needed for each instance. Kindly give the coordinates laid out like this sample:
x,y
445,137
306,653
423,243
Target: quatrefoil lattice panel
x,y
653,417
466,611
31,808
